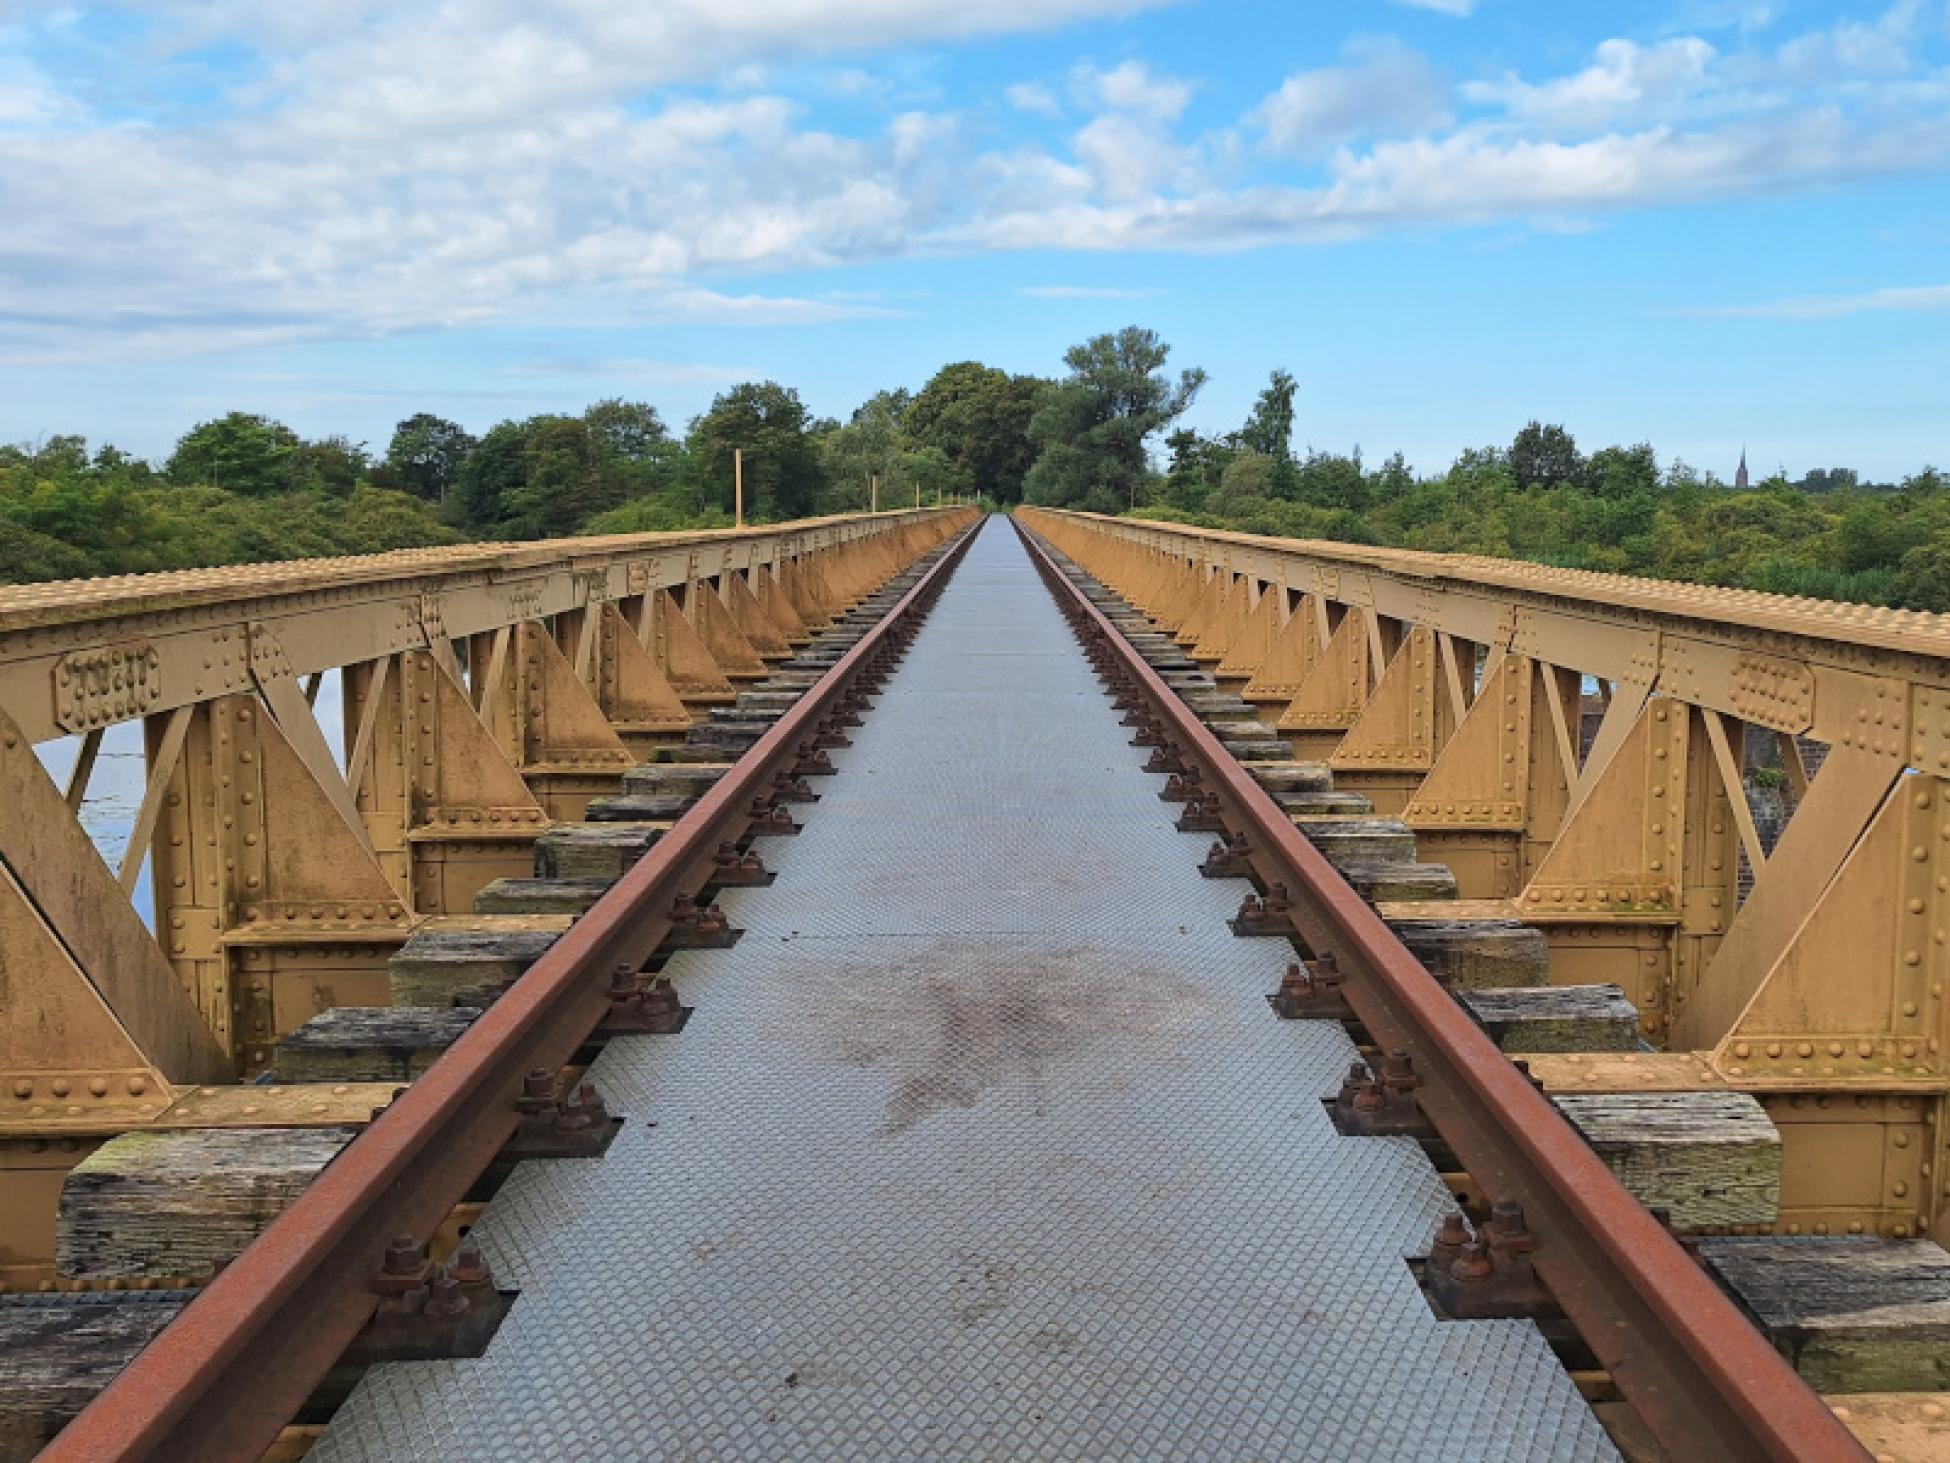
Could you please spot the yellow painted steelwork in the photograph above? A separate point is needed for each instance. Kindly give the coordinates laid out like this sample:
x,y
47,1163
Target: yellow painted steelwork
x,y
489,689
1453,689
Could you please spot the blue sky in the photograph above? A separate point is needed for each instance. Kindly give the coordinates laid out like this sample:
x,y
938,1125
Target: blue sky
x,y
1696,223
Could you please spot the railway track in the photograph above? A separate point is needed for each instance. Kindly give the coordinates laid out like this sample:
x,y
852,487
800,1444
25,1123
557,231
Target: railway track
x,y
981,1139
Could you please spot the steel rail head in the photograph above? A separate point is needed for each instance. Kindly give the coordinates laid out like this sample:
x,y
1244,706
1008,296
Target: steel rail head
x,y
1699,1374
223,1378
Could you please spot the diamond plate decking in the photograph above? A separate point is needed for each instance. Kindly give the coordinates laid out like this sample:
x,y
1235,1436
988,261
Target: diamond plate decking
x,y
982,1143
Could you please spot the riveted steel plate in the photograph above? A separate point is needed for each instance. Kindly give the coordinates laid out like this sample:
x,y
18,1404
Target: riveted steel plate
x,y
982,1143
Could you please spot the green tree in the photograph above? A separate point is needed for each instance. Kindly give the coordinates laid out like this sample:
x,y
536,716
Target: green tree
x,y
1622,472
426,454
563,480
1543,457
871,443
1923,577
628,432
1329,480
1245,485
979,418
1197,467
331,465
783,475
1092,427
1269,430
240,453
494,470
378,519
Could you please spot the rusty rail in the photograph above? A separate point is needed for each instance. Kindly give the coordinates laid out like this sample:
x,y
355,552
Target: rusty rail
x,y
1700,1376
222,1380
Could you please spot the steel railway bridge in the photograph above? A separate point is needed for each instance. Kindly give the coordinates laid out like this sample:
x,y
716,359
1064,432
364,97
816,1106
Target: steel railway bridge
x,y
919,986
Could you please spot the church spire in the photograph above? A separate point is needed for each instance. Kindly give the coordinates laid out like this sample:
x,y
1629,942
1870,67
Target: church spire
x,y
1740,475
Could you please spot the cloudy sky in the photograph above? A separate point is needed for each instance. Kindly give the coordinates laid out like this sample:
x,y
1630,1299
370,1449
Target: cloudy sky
x,y
1694,222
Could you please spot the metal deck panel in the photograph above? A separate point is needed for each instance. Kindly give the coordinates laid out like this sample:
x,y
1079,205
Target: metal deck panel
x,y
982,1143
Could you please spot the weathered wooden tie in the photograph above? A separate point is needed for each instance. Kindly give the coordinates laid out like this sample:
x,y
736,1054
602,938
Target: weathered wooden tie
x,y
60,1350
1853,1313
1564,1018
462,954
370,1043
1710,1159
161,1203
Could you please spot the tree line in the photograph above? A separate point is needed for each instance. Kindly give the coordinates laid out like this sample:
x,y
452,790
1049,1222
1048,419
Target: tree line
x,y
1102,436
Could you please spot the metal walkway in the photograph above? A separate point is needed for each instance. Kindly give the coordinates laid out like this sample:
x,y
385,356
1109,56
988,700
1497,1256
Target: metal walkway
x,y
982,1143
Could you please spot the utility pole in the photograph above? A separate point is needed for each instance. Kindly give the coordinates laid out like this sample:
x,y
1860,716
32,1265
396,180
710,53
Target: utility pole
x,y
738,483
873,493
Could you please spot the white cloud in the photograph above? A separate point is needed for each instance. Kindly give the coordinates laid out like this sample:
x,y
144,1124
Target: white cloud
x,y
1856,48
1128,156
1135,87
1081,292
1829,307
416,167
1472,177
1129,148
30,100
710,307
1381,88
1626,85
1033,97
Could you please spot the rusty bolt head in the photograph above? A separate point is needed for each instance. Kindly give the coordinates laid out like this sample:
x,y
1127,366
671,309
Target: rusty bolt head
x,y
1357,1080
1506,1233
1398,1073
540,1082
589,1101
444,1298
403,1255
1473,1263
622,982
468,1265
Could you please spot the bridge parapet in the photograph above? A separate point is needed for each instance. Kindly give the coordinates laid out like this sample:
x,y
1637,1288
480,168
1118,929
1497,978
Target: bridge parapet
x,y
487,691
1588,752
